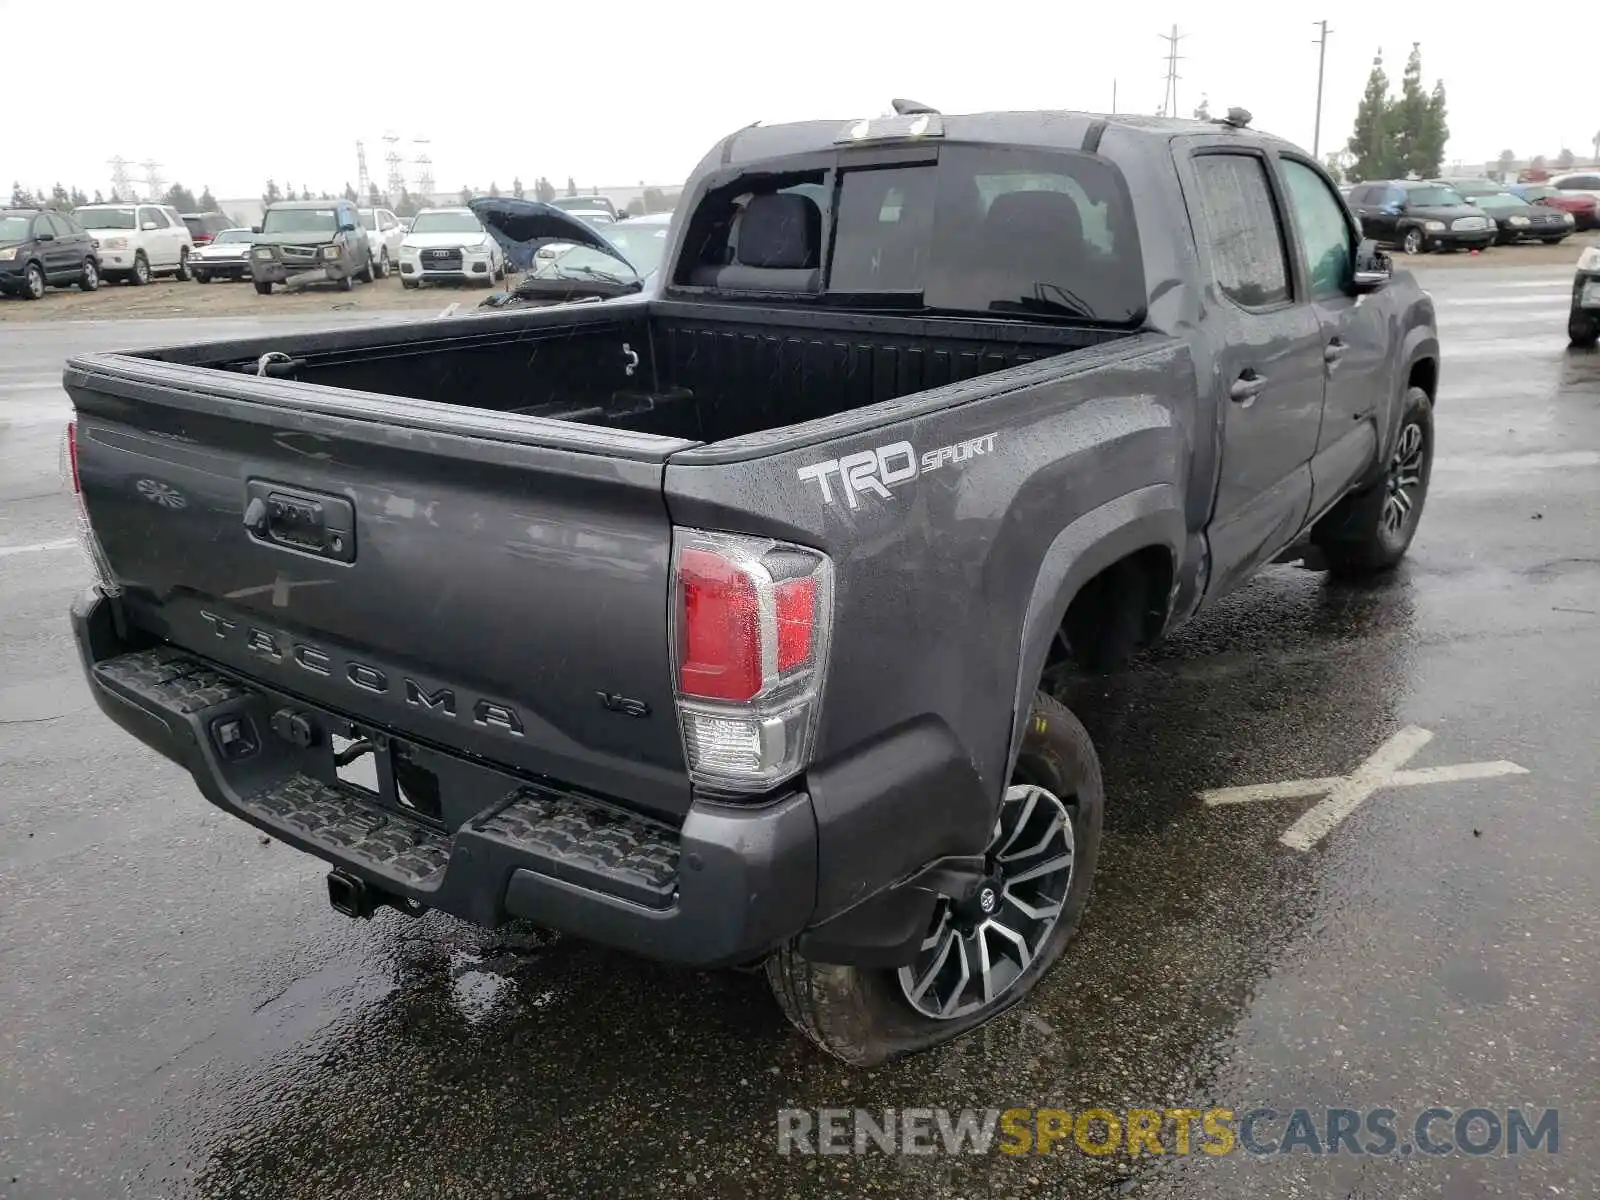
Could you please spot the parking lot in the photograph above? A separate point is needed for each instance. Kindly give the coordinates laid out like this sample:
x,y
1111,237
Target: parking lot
x,y
185,1016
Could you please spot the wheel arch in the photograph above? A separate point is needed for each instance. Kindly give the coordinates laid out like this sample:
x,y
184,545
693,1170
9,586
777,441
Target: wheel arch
x,y
1146,527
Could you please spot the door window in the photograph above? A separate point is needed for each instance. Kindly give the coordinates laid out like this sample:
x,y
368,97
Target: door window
x,y
1238,224
1324,232
57,226
154,216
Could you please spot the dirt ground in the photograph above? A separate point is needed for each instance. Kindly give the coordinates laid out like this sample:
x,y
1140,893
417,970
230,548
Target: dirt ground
x,y
166,298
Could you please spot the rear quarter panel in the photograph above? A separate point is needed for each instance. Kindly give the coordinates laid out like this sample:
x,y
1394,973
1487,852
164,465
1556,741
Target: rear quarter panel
x,y
934,580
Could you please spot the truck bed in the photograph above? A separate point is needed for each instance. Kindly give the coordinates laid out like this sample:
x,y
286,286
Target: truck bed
x,y
698,372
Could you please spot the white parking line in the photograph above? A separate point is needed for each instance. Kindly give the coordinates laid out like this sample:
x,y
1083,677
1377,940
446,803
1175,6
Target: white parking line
x,y
1343,794
39,547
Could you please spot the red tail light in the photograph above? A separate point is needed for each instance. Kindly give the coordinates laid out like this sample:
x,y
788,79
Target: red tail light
x,y
721,629
751,618
72,458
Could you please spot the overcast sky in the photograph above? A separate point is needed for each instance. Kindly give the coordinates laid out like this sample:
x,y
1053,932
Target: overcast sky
x,y
659,81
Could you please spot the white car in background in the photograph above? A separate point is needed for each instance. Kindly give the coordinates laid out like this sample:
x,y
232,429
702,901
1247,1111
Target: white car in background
x,y
449,245
384,235
600,218
136,241
225,256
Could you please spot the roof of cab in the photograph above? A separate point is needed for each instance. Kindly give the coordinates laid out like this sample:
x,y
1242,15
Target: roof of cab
x,y
306,203
1049,129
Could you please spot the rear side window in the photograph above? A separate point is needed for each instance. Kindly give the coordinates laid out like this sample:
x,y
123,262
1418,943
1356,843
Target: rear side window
x,y
1238,223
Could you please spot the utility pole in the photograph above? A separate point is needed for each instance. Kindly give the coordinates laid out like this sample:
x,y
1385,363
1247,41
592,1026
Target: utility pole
x,y
1321,43
1169,102
1113,97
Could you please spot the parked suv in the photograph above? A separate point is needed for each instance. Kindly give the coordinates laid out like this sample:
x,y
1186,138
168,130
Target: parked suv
x,y
39,249
1419,216
137,242
308,240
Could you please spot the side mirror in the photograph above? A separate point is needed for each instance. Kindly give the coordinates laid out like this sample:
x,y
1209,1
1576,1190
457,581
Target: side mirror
x,y
255,229
1372,268
44,235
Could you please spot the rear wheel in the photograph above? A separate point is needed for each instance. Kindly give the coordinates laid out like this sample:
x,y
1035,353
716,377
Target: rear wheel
x,y
182,273
368,273
1370,531
141,270
89,281
33,283
1582,328
383,264
984,953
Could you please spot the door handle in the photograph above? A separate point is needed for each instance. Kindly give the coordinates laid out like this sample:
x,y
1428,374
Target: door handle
x,y
1247,387
1334,351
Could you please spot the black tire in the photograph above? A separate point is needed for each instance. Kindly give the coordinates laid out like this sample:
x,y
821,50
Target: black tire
x,y
383,264
1555,241
263,287
1362,536
183,274
1582,329
1411,241
201,277
409,284
89,279
140,275
347,283
368,273
33,282
861,1015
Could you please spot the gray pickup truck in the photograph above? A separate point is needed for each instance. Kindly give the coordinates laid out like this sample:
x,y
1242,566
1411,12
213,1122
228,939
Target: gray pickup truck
x,y
710,623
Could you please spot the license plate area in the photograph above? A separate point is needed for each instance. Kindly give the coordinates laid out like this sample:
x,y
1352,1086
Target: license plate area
x,y
385,770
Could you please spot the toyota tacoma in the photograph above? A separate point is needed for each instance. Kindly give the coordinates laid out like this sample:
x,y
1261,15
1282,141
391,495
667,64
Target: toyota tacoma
x,y
710,623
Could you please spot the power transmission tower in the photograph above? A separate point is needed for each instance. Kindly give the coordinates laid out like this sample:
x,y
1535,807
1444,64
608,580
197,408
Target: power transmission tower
x,y
120,183
1169,102
1321,44
424,170
397,180
363,180
152,178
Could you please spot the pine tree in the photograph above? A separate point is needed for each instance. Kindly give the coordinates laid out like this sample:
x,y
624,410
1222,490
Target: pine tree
x,y
1430,159
466,194
1565,160
1408,120
208,202
272,195
572,186
516,187
349,192
494,188
545,190
1506,162
375,197
21,197
97,197
1371,146
1202,111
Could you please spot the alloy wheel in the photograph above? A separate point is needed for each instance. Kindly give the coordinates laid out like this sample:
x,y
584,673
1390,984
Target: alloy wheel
x,y
35,283
1405,479
1413,242
978,948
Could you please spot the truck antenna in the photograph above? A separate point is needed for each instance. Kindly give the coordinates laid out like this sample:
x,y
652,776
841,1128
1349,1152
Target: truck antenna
x,y
912,108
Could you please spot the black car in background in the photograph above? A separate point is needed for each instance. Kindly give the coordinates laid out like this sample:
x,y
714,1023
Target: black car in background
x,y
40,249
1517,219
1418,216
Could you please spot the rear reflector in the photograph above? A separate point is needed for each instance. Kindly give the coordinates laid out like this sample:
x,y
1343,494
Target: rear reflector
x,y
750,636
91,545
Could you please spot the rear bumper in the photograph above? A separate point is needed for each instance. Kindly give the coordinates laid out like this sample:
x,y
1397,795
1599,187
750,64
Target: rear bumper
x,y
728,886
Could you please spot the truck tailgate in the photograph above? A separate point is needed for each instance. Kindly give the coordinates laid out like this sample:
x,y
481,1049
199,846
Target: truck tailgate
x,y
490,583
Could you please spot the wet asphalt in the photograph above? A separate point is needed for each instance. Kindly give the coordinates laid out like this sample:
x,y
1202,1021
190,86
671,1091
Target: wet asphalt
x,y
181,1015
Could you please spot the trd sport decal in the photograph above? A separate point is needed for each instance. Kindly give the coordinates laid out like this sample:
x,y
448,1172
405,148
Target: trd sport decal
x,y
876,471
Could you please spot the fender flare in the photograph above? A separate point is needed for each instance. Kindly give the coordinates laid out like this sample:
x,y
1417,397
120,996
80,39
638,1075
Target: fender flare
x,y
1137,520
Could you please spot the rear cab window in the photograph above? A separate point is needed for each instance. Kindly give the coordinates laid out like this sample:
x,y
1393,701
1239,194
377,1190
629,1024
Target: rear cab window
x,y
965,230
1237,225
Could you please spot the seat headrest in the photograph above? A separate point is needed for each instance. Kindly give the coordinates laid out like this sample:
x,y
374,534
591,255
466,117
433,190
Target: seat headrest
x,y
781,231
1041,217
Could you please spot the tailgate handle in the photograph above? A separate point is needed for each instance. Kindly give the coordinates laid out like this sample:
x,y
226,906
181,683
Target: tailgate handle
x,y
294,519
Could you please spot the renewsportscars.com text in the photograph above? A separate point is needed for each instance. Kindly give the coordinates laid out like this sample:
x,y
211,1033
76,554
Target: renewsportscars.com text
x,y
1258,1131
